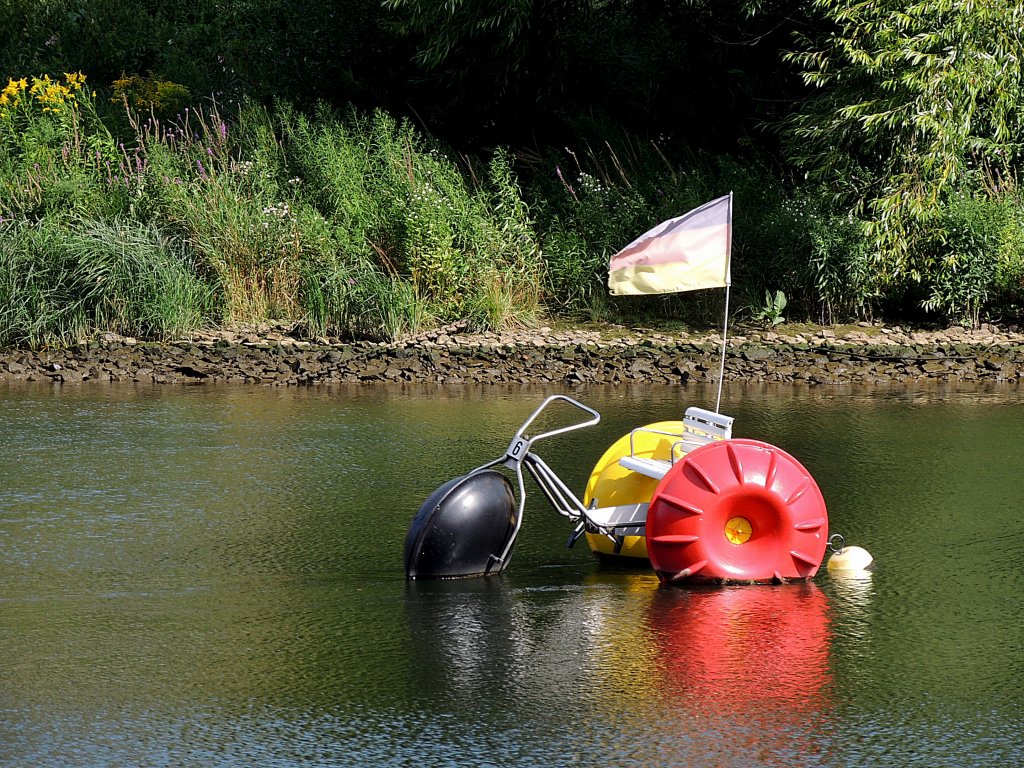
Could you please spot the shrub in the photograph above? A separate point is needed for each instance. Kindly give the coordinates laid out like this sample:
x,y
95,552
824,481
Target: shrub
x,y
151,95
968,240
910,100
405,213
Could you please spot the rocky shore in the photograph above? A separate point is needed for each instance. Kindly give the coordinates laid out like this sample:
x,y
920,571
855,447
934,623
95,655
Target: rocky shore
x,y
612,355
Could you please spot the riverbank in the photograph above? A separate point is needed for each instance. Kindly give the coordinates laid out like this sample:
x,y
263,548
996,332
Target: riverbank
x,y
271,356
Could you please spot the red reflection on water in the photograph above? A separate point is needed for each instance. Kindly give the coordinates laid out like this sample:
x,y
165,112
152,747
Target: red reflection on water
x,y
728,651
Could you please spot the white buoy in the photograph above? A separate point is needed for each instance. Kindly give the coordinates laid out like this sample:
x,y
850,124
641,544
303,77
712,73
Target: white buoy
x,y
849,560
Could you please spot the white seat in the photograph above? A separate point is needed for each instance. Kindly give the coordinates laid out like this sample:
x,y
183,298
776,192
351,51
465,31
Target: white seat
x,y
700,427
656,468
624,519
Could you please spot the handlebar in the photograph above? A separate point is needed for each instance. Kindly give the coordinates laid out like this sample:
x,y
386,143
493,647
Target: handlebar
x,y
521,442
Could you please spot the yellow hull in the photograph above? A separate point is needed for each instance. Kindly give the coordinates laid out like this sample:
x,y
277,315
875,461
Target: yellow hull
x,y
612,484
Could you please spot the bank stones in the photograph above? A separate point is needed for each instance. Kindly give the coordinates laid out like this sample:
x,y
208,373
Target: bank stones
x,y
455,354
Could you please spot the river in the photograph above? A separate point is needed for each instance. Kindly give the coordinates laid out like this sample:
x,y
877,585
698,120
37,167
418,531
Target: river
x,y
212,576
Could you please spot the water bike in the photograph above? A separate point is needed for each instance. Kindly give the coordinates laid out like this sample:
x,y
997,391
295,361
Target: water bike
x,y
697,504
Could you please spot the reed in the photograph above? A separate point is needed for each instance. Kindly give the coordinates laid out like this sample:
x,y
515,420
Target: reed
x,y
60,283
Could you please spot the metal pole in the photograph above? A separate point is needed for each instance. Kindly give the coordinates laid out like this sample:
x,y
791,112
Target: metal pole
x,y
721,369
725,318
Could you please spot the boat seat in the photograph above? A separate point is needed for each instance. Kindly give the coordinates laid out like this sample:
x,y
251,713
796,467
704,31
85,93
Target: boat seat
x,y
699,428
623,519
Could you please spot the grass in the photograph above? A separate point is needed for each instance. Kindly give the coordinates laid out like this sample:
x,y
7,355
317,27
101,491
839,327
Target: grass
x,y
349,224
359,225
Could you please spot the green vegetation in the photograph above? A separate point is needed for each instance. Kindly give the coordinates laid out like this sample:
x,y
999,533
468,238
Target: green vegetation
x,y
342,224
221,163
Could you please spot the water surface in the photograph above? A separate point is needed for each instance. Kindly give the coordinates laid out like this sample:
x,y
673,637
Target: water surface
x,y
212,576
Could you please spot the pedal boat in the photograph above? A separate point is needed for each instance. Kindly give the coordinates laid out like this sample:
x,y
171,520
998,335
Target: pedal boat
x,y
682,497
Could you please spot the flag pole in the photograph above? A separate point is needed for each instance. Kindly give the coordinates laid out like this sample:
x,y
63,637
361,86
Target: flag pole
x,y
721,367
725,318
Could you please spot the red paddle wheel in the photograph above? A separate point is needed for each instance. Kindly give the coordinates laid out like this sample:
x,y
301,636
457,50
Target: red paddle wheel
x,y
737,511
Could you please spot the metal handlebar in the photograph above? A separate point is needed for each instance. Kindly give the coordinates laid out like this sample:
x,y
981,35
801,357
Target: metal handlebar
x,y
518,451
595,417
520,445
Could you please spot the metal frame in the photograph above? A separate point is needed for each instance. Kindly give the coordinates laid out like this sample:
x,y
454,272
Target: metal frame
x,y
520,453
555,491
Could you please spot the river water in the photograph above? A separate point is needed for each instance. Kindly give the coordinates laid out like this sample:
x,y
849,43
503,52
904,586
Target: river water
x,y
213,577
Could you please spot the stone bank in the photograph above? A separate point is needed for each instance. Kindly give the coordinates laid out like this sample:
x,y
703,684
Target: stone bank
x,y
452,355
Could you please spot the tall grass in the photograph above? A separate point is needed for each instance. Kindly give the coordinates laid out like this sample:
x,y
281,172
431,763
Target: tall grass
x,y
448,240
346,224
359,225
59,282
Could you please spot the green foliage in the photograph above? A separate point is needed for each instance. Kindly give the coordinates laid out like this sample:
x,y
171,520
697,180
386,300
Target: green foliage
x,y
59,282
979,239
1008,290
151,94
593,202
302,49
608,199
842,280
354,226
770,312
912,103
52,149
359,222
360,301
401,208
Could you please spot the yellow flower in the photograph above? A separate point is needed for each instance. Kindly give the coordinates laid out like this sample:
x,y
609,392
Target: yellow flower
x,y
39,84
11,94
75,80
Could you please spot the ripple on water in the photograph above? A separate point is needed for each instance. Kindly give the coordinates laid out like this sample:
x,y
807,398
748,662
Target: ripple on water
x,y
213,577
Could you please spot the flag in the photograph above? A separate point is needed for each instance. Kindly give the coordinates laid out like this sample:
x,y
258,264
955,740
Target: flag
x,y
682,254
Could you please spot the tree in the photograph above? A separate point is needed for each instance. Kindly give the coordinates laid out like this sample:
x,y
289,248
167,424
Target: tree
x,y
913,103
704,71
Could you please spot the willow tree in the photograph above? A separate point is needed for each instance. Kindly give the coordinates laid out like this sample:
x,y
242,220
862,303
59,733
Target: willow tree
x,y
912,103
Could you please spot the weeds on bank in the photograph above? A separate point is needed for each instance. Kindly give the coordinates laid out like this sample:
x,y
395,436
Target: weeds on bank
x,y
351,225
116,216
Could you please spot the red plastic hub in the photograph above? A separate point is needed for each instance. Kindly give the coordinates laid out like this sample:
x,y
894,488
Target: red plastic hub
x,y
736,511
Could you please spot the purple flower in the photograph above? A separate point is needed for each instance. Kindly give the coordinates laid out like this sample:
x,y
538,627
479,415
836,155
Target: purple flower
x,y
568,186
